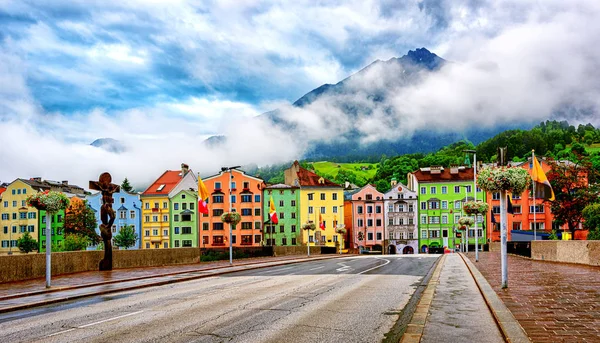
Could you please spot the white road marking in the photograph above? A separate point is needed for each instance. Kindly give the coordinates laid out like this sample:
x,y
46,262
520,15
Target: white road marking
x,y
317,268
277,270
95,323
379,266
343,269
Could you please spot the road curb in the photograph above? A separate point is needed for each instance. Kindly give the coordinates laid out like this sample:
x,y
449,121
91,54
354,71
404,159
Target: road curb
x,y
158,283
509,326
414,330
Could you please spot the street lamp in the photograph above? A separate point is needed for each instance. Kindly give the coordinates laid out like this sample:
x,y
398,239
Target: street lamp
x,y
229,169
474,152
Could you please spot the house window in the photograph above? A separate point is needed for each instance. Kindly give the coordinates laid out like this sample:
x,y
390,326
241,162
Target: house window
x,y
310,209
175,218
444,205
147,205
154,218
217,226
359,223
293,228
434,233
424,234
369,209
205,226
334,196
310,196
218,186
496,209
233,199
281,203
423,190
444,189
204,239
293,203
423,219
293,240
147,245
217,212
165,218
184,206
176,244
536,208
246,211
257,211
423,205
378,222
147,219
293,215
165,204
281,228
432,190
517,209
256,225
457,205
456,189
246,185
176,230
538,226
281,215
370,236
390,221
257,198
232,185
322,209
246,225
378,209
359,209
444,219
434,205
165,232
516,226
186,230
378,236
322,196
132,214
246,198
434,220
217,199
155,232
369,222
495,196
218,240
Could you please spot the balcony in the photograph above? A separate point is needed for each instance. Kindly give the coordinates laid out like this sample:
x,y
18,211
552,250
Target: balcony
x,y
218,244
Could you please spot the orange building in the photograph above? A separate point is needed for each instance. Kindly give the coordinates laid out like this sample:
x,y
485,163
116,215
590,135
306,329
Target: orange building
x,y
522,220
244,196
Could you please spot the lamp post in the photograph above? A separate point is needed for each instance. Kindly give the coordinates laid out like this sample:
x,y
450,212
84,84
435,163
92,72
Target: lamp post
x,y
474,152
308,220
229,169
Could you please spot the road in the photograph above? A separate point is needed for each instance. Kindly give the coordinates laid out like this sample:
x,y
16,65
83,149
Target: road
x,y
352,299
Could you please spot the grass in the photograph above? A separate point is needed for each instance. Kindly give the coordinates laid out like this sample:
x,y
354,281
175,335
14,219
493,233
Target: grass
x,y
593,148
331,168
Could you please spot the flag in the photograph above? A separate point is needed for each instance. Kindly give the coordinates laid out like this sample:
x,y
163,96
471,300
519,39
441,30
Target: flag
x,y
273,212
542,183
321,222
493,217
202,197
509,208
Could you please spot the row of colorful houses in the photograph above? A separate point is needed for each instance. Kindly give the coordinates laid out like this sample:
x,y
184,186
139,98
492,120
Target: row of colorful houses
x,y
406,219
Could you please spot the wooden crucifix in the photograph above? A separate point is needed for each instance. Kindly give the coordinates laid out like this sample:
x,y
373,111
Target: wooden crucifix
x,y
107,215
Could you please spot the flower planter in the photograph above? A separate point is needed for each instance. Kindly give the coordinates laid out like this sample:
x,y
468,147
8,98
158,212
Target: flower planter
x,y
475,207
48,201
514,180
231,218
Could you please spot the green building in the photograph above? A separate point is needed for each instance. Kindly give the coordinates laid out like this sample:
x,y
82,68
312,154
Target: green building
x,y
183,219
57,233
441,194
287,232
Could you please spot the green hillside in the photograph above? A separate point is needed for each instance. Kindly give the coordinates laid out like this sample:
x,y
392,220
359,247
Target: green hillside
x,y
357,173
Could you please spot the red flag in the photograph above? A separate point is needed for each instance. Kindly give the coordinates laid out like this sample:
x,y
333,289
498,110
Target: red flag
x,y
321,222
202,196
273,212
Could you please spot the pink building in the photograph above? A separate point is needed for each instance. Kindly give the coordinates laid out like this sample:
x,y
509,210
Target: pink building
x,y
364,218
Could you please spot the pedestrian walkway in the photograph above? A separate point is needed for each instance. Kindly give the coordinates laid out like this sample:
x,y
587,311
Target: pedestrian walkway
x,y
458,310
553,302
23,294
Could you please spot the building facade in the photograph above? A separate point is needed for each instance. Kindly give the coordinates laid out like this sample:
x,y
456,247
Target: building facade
x,y
442,193
240,193
184,219
521,220
128,209
366,224
156,215
321,202
400,204
287,232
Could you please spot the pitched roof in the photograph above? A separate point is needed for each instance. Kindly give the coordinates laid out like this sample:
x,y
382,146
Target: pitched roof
x,y
444,175
306,178
165,183
2,190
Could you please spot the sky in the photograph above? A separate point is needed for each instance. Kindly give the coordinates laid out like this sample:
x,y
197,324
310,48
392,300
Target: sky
x,y
162,76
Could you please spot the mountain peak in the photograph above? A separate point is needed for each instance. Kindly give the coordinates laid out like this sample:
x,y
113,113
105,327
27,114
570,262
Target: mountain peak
x,y
423,57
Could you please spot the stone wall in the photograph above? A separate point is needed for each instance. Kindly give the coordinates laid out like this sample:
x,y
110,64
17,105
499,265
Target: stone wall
x,y
582,252
295,250
30,266
494,246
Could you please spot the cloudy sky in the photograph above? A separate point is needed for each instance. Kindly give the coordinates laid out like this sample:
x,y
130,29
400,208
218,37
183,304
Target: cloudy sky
x,y
161,76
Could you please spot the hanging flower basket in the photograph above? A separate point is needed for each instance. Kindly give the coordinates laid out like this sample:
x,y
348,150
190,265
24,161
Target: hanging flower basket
x,y
49,201
309,226
466,221
508,179
341,229
463,227
475,207
231,218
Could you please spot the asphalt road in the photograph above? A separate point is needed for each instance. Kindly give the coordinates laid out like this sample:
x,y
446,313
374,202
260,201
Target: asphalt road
x,y
353,299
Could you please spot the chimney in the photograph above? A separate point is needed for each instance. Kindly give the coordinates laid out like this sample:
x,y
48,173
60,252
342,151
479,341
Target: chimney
x,y
38,179
394,182
347,184
184,169
65,182
435,169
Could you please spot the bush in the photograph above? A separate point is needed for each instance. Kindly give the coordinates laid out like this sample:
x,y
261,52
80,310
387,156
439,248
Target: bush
x,y
26,243
75,242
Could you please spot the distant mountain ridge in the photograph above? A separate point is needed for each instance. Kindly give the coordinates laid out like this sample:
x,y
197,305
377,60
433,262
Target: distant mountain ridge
x,y
109,144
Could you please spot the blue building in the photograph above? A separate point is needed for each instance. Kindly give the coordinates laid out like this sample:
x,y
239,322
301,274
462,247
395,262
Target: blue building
x,y
127,208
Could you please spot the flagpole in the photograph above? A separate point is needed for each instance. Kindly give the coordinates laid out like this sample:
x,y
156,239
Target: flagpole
x,y
534,207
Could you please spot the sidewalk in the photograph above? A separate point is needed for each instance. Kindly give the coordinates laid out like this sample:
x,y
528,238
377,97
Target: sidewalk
x,y
553,302
453,309
23,294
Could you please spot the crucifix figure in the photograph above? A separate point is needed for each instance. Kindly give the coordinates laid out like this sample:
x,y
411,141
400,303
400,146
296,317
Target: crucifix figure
x,y
107,215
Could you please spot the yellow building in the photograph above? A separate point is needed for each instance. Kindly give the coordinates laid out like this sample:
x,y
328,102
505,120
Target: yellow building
x,y
16,217
321,202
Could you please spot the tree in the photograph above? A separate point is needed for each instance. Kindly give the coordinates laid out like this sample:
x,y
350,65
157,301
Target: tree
x,y
75,242
26,243
591,214
126,237
80,219
573,191
126,186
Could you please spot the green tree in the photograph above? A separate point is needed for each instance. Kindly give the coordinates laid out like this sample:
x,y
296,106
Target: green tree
x,y
26,243
591,214
126,186
75,242
80,219
126,237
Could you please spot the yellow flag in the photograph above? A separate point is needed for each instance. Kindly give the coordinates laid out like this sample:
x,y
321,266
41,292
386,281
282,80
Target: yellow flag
x,y
202,197
539,177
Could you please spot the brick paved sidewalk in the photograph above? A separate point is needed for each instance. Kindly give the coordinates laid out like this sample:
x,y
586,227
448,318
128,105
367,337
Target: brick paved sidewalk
x,y
76,279
553,302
